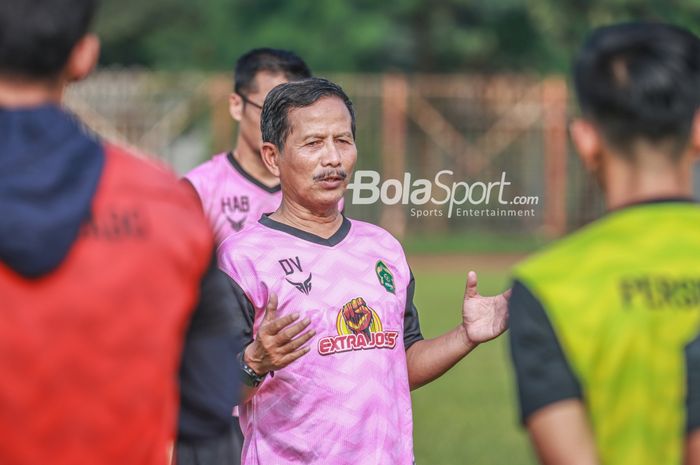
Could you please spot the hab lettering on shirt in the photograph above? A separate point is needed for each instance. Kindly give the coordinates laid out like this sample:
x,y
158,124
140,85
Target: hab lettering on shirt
x,y
292,267
359,328
231,206
235,204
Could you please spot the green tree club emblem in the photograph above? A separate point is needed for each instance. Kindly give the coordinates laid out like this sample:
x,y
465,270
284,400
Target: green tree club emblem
x,y
386,279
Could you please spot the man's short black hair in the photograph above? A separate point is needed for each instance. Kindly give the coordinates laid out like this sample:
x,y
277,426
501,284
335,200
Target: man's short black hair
x,y
272,60
37,36
274,122
640,81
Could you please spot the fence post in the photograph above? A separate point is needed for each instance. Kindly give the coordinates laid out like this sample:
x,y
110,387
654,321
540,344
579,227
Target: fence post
x,y
394,107
222,124
554,104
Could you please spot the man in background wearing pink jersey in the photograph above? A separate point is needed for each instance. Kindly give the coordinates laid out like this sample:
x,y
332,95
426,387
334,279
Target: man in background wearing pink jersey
x,y
235,188
338,345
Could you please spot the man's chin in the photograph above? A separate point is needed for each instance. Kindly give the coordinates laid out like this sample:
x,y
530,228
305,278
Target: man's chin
x,y
328,198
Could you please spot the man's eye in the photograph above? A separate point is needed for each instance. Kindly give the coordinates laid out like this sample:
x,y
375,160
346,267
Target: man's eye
x,y
313,143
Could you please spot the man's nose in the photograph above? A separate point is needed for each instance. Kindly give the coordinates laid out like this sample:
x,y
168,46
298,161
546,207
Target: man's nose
x,y
331,155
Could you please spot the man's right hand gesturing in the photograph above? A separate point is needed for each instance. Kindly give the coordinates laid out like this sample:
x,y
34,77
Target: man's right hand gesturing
x,y
278,342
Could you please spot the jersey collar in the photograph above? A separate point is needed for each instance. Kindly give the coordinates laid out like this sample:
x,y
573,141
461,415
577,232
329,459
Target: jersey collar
x,y
653,201
237,166
334,240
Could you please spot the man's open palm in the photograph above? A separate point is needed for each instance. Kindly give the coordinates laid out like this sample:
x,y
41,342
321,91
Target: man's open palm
x,y
484,318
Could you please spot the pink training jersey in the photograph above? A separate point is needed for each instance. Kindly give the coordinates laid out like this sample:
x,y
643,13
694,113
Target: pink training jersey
x,y
347,401
230,196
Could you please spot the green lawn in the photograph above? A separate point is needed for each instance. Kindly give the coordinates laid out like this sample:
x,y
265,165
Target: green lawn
x,y
467,417
471,242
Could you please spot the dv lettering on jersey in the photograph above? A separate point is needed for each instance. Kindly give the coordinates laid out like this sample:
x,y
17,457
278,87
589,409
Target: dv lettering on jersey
x,y
359,328
291,266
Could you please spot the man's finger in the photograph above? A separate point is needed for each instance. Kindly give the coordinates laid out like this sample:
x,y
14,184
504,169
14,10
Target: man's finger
x,y
288,333
275,326
506,294
471,286
300,341
289,358
270,308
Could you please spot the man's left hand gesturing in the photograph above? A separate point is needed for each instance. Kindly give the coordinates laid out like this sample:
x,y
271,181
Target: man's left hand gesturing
x,y
483,318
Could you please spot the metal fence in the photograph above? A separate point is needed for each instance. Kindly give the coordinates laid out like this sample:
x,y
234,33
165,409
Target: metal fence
x,y
476,127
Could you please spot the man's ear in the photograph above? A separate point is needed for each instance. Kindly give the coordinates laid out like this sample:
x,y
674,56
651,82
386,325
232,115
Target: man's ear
x,y
270,156
83,58
695,136
235,106
588,143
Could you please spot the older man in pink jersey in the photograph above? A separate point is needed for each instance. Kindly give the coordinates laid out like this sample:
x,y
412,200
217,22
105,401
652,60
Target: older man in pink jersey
x,y
338,345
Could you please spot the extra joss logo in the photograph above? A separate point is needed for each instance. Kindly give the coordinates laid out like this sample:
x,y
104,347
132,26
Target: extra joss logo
x,y
359,328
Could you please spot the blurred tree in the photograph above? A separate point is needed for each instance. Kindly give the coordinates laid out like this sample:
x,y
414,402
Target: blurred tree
x,y
369,35
563,25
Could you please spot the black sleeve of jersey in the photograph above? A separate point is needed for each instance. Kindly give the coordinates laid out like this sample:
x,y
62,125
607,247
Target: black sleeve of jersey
x,y
543,374
692,361
209,370
244,313
411,325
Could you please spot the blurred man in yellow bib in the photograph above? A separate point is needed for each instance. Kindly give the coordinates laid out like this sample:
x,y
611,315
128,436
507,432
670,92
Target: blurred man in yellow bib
x,y
605,323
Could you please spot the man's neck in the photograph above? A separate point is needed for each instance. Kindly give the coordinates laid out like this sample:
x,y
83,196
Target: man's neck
x,y
323,223
253,165
627,184
18,93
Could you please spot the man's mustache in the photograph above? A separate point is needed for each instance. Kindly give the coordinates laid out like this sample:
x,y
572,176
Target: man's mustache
x,y
339,173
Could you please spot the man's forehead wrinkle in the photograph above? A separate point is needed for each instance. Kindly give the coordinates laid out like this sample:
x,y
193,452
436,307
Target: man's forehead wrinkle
x,y
310,123
316,120
323,134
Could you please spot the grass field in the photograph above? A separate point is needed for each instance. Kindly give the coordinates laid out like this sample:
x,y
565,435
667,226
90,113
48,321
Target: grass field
x,y
467,417
471,242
